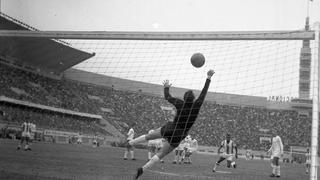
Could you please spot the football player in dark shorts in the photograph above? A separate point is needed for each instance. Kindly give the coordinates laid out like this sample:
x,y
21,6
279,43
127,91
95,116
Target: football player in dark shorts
x,y
174,132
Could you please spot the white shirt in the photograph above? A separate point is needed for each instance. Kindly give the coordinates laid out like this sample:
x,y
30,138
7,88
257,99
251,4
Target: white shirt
x,y
276,147
194,145
130,134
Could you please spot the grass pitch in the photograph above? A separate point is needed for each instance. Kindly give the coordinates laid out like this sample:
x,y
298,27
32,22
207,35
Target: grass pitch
x,y
65,161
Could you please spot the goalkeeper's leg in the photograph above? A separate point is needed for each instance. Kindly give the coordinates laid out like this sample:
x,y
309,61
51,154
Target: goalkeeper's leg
x,y
156,134
166,149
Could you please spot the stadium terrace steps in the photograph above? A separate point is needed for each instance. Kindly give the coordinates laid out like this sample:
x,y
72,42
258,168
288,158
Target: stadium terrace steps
x,y
110,128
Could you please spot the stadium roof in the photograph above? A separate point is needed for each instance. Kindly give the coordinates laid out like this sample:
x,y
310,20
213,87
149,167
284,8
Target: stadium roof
x,y
44,53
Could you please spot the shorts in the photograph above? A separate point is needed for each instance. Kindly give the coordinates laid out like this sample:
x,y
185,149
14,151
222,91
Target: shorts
x,y
229,157
129,147
179,152
152,148
174,135
275,161
188,153
25,135
308,162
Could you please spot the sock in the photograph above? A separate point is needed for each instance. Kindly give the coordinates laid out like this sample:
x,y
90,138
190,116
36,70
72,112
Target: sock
x,y
125,154
137,140
278,170
273,169
215,166
149,155
132,154
150,163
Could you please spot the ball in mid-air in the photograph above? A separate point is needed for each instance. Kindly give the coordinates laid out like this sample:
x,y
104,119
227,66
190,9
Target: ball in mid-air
x,y
197,60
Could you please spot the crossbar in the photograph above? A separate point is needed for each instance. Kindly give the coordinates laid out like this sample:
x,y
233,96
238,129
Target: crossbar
x,y
126,35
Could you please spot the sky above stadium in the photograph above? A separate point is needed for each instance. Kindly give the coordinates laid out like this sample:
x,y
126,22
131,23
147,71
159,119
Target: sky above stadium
x,y
244,68
164,15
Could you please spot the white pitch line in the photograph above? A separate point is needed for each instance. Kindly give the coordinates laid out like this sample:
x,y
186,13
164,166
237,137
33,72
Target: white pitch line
x,y
185,175
224,172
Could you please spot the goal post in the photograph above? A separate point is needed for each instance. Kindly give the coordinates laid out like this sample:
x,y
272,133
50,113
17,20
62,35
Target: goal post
x,y
315,108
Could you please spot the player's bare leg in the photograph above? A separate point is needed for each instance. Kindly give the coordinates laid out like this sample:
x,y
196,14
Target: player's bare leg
x,y
21,142
26,147
307,168
158,151
180,156
149,155
175,157
275,167
188,158
125,156
132,155
129,148
217,164
166,149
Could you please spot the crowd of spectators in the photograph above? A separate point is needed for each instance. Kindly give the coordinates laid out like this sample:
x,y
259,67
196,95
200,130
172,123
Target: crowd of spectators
x,y
125,108
246,125
50,120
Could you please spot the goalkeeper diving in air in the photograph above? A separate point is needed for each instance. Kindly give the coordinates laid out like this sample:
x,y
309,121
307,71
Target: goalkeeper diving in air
x,y
174,132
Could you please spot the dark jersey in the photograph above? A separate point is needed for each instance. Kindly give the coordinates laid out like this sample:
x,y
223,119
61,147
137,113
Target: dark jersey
x,y
186,115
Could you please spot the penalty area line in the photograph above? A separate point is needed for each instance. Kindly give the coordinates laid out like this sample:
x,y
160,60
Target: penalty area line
x,y
185,175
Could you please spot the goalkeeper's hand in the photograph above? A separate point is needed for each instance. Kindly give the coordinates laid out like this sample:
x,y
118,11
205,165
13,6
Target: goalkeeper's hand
x,y
210,73
166,83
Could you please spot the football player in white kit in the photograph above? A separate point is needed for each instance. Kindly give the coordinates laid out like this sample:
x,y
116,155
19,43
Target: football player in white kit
x,y
178,158
129,148
230,151
276,151
79,139
26,128
191,147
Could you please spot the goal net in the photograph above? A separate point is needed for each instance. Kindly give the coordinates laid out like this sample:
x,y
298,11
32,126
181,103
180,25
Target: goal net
x,y
264,82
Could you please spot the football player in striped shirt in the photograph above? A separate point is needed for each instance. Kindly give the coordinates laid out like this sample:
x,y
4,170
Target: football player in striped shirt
x,y
230,151
25,135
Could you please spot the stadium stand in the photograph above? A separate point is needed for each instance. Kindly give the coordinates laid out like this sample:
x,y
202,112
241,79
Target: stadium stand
x,y
124,107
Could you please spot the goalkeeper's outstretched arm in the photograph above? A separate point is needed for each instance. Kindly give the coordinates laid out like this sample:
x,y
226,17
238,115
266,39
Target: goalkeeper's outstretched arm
x,y
206,87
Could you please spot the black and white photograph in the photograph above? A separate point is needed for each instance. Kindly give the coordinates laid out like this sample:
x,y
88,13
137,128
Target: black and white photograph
x,y
159,89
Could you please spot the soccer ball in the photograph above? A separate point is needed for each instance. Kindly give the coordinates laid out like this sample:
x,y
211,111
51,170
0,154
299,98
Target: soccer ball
x,y
197,60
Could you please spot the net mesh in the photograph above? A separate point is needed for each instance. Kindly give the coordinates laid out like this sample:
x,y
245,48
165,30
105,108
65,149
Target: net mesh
x,y
249,95
253,80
